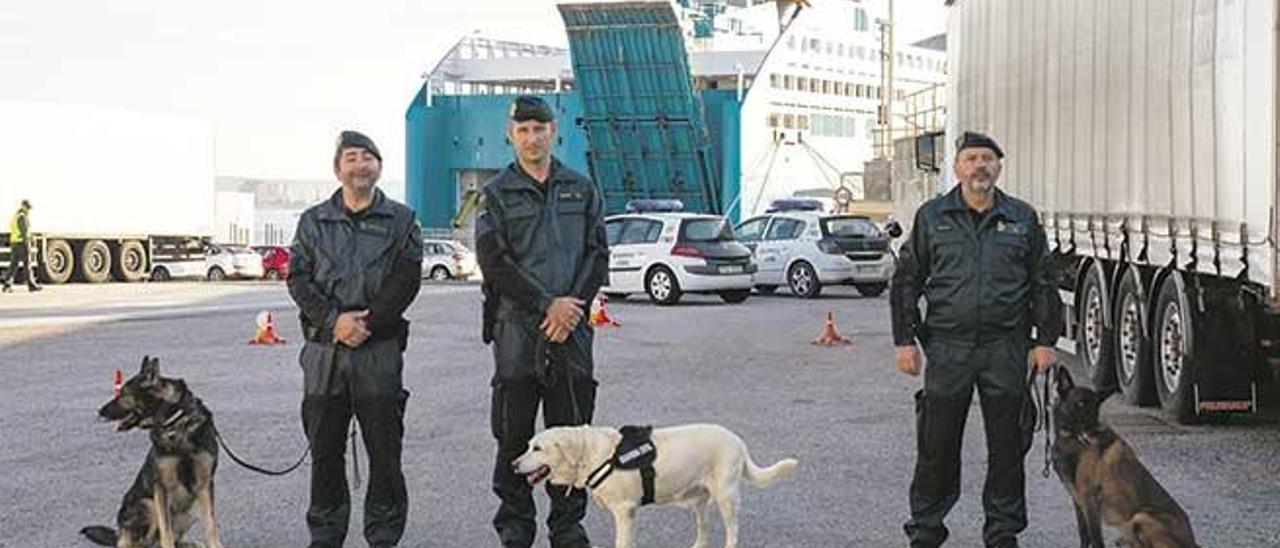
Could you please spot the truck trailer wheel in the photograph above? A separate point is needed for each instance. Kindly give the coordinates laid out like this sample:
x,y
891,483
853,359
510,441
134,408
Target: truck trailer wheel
x,y
1133,346
1175,358
1097,331
130,264
95,262
57,262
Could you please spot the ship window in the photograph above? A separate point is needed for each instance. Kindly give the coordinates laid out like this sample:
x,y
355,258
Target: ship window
x,y
774,119
773,80
788,82
803,121
802,83
840,50
789,121
860,20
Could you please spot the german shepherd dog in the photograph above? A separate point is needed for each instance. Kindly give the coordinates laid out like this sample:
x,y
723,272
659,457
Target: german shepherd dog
x,y
1106,481
178,471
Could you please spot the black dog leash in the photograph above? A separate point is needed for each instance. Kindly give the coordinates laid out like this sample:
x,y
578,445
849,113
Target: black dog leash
x,y
1044,412
330,359
260,470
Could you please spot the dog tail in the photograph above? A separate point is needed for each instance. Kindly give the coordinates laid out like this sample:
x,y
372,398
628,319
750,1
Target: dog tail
x,y
100,535
764,477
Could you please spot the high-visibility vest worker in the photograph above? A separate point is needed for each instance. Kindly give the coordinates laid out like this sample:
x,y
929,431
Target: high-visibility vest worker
x,y
19,225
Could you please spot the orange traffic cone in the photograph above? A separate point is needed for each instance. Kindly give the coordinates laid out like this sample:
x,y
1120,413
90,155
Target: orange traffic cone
x,y
829,336
118,383
600,315
266,333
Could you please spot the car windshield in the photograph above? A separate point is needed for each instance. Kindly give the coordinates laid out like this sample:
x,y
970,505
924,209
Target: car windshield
x,y
707,230
850,227
236,249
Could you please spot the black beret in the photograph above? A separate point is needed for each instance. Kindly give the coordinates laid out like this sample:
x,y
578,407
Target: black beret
x,y
530,107
355,139
973,139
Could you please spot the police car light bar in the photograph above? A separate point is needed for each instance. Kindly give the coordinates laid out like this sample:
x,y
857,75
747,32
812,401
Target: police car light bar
x,y
654,206
795,204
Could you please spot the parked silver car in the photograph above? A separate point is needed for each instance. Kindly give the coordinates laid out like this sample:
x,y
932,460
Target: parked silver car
x,y
447,260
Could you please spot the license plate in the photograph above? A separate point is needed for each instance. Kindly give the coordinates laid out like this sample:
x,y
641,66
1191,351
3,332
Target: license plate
x,y
867,268
731,269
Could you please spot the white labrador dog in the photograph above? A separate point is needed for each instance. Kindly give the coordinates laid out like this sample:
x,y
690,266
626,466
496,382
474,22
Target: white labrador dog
x,y
696,465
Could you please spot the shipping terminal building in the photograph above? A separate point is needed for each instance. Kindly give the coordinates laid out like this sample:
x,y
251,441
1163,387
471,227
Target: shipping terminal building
x,y
722,104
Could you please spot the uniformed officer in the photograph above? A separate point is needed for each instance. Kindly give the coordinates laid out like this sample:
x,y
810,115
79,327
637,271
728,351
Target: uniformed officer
x,y
980,258
355,266
540,242
20,248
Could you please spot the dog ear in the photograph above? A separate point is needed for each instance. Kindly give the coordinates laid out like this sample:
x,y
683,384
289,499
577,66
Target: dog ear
x,y
1065,384
150,368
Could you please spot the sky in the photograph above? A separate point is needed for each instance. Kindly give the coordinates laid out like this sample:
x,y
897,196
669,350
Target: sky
x,y
276,79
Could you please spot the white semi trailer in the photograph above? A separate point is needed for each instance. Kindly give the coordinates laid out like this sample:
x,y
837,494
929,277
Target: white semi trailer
x,y
1145,132
111,190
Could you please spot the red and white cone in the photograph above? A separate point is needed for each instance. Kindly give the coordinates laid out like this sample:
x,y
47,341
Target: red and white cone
x,y
829,335
266,333
600,314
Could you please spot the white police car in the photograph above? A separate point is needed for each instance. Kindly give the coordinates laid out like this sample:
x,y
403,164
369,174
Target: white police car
x,y
797,245
656,249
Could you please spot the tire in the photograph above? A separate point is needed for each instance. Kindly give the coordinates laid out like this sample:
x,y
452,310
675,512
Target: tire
x,y
766,289
130,262
94,262
1097,331
160,274
1132,342
272,275
1173,337
735,296
871,289
662,286
440,273
803,280
216,274
57,263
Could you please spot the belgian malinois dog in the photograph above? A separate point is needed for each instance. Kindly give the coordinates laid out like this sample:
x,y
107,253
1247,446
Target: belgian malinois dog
x,y
1106,481
178,471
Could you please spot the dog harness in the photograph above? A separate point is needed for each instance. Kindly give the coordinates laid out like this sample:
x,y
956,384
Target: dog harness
x,y
634,451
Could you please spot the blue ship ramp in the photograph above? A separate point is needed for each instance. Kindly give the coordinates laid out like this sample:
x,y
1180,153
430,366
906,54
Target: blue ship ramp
x,y
645,129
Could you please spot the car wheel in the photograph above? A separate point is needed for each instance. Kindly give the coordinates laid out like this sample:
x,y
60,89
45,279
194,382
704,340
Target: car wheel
x,y
440,273
766,289
735,296
662,286
160,274
871,289
804,280
216,274
272,275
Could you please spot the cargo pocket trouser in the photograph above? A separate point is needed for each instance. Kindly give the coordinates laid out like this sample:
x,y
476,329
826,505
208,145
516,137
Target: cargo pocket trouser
x,y
367,382
516,396
997,369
